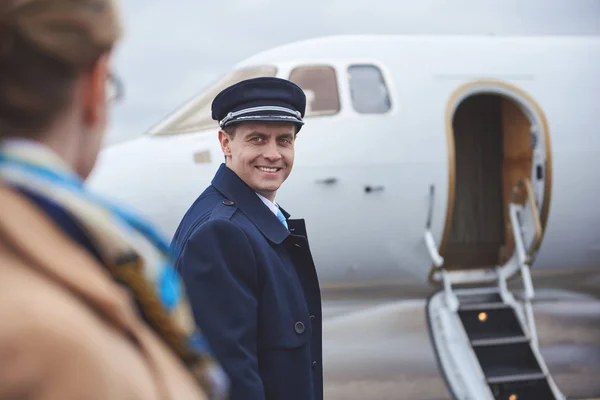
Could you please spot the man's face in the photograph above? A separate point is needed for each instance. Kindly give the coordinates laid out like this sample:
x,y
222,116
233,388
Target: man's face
x,y
261,154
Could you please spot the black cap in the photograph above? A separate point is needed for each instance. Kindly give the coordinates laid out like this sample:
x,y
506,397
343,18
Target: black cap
x,y
260,99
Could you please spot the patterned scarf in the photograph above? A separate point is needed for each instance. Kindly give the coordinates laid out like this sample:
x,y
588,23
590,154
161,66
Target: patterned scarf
x,y
134,252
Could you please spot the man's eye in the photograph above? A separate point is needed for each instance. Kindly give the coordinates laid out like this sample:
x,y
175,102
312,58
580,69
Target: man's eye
x,y
255,139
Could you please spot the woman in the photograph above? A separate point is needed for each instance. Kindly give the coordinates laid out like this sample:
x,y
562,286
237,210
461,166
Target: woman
x,y
89,304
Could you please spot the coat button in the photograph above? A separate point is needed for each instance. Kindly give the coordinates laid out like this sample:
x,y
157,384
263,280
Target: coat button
x,y
299,328
312,317
314,365
228,202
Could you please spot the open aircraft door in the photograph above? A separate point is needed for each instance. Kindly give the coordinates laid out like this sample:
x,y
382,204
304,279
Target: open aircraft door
x,y
483,335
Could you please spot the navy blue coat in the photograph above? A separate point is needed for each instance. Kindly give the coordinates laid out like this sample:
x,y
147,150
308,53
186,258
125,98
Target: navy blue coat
x,y
254,292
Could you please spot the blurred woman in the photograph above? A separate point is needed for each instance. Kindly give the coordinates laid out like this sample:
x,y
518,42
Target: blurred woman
x,y
90,306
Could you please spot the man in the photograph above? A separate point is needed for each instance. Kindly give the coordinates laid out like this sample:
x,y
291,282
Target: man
x,y
247,269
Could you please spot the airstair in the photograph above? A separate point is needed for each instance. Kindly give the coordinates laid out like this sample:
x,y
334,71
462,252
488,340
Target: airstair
x,y
483,335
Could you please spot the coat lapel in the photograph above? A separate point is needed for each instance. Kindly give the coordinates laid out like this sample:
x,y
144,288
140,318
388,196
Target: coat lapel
x,y
236,190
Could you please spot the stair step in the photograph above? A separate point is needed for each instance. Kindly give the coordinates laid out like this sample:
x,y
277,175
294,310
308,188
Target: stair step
x,y
507,360
490,324
522,390
479,297
517,378
466,290
500,340
483,306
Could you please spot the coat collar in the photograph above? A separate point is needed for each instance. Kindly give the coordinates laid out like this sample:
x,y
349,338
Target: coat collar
x,y
235,189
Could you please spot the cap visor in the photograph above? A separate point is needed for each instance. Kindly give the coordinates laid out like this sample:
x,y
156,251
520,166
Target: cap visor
x,y
266,118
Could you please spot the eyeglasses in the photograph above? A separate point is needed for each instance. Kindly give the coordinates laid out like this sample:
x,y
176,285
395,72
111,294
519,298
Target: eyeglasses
x,y
114,88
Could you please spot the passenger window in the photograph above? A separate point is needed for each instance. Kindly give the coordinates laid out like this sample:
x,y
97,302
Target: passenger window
x,y
319,83
368,90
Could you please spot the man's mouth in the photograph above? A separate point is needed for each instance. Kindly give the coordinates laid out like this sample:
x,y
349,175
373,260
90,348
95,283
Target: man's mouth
x,y
267,169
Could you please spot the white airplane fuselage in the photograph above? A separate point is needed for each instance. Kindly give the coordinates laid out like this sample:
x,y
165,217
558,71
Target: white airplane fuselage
x,y
368,183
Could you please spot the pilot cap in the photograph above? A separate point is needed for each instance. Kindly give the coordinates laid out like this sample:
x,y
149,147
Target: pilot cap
x,y
72,31
260,99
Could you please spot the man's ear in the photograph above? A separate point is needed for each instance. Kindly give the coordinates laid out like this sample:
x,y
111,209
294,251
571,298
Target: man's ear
x,y
94,90
225,141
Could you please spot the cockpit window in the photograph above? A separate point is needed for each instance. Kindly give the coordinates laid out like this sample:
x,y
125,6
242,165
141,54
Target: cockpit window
x,y
319,83
197,115
368,90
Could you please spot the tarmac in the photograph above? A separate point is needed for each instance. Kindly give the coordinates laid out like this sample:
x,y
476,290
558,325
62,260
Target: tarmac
x,y
379,348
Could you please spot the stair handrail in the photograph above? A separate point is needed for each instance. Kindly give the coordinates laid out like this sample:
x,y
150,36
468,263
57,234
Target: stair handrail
x,y
524,256
438,260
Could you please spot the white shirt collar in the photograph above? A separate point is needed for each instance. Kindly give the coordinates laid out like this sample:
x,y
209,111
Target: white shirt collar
x,y
272,206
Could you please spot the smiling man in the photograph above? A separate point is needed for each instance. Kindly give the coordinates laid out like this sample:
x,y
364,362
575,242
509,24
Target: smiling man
x,y
247,268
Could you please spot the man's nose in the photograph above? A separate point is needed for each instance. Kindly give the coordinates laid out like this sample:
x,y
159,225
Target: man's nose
x,y
272,152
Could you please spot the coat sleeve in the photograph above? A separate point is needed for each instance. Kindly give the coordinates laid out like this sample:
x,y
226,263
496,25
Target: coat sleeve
x,y
220,276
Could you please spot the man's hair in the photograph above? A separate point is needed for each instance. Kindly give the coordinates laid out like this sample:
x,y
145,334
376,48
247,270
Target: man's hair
x,y
231,129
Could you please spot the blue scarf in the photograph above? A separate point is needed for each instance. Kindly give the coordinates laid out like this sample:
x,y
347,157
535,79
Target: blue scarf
x,y
134,251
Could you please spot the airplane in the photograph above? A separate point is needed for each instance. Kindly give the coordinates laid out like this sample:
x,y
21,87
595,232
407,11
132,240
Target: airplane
x,y
462,163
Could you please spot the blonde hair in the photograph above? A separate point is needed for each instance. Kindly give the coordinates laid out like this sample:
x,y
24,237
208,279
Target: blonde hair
x,y
43,45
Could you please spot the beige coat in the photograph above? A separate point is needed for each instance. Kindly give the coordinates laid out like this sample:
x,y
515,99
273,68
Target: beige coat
x,y
67,330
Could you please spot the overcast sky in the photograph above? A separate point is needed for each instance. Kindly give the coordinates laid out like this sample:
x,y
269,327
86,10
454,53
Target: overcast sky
x,y
173,49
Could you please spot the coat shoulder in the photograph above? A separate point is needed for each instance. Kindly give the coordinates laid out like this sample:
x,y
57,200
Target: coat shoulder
x,y
210,205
